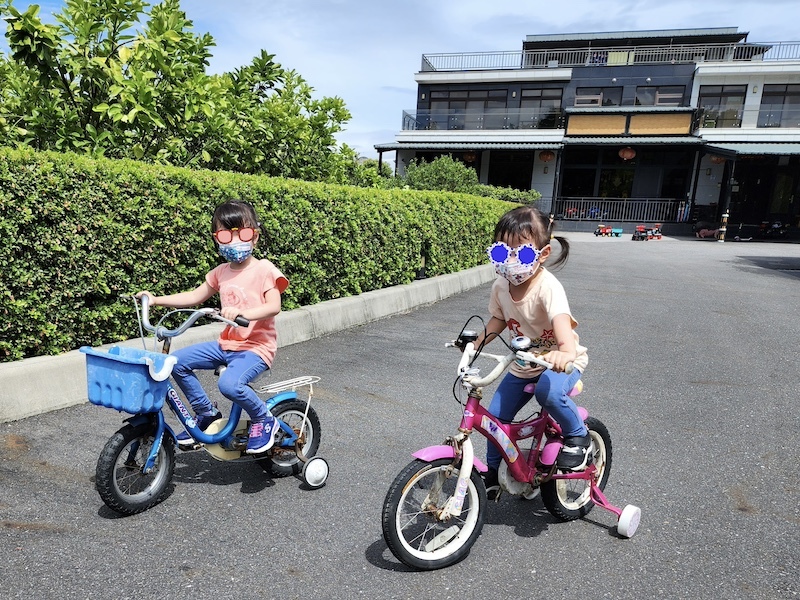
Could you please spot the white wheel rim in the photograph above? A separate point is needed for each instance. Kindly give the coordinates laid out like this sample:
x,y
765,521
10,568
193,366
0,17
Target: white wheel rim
x,y
452,545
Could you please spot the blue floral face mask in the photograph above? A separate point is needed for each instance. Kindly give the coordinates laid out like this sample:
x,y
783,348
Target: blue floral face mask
x,y
237,252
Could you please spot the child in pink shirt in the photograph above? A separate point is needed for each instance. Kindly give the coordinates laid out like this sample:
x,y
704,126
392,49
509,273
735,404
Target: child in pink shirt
x,y
248,287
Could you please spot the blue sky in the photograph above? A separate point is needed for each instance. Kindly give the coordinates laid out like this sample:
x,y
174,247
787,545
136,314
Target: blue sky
x,y
367,51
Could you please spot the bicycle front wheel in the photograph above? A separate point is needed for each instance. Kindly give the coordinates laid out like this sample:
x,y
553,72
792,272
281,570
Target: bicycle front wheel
x,y
412,526
119,478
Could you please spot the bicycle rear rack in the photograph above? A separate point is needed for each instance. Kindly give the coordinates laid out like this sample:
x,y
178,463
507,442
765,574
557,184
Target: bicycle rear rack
x,y
290,385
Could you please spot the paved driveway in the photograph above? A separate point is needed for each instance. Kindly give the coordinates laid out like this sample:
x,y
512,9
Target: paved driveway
x,y
693,368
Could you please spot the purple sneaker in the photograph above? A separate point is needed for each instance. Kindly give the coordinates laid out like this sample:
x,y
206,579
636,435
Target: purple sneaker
x,y
262,436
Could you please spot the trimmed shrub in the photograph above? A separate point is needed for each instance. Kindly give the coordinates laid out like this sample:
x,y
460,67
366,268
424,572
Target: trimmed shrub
x,y
75,233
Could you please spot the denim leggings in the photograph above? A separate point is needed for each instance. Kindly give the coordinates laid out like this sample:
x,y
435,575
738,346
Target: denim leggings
x,y
551,393
243,367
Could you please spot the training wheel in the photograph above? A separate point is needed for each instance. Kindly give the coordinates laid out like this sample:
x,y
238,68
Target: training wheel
x,y
629,520
315,472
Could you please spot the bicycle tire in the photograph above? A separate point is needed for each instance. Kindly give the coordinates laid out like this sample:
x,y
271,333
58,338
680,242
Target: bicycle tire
x,y
121,484
570,499
414,534
282,462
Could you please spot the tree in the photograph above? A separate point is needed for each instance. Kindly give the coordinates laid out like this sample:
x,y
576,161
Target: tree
x,y
443,173
91,83
447,174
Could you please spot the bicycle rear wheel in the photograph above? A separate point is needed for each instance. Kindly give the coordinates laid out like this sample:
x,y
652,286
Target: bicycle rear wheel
x,y
570,499
281,461
411,526
119,478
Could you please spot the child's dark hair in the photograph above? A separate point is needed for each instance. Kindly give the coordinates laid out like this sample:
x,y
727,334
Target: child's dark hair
x,y
235,213
529,222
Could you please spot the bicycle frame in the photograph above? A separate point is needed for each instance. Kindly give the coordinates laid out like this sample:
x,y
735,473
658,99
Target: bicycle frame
x,y
187,420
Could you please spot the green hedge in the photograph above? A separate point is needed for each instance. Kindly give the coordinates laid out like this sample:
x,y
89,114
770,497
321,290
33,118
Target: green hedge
x,y
75,233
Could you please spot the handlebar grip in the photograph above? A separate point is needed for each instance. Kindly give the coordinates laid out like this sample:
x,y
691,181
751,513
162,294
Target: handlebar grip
x,y
241,321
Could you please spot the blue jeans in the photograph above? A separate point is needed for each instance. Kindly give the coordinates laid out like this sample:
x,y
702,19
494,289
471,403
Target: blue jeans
x,y
551,393
243,367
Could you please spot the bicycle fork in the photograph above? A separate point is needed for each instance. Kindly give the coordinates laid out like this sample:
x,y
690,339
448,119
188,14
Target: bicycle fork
x,y
454,504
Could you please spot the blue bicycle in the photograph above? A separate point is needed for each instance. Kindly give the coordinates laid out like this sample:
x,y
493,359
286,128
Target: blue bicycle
x,y
137,463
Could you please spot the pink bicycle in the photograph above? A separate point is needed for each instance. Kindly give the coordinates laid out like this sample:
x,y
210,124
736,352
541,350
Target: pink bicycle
x,y
434,510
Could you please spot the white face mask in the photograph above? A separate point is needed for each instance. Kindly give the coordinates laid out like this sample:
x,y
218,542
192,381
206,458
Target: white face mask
x,y
518,264
516,273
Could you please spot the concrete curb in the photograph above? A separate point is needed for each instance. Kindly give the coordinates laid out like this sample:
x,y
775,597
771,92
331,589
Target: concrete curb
x,y
37,385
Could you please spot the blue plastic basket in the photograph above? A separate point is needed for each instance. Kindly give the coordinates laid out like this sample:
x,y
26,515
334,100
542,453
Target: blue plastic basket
x,y
127,379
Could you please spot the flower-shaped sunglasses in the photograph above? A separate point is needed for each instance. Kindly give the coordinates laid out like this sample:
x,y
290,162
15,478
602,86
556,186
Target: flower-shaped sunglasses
x,y
499,253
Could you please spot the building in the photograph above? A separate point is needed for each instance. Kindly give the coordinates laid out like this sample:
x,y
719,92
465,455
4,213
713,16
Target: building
x,y
671,126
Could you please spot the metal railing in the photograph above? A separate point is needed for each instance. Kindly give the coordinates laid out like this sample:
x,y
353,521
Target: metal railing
x,y
767,115
611,56
644,210
453,120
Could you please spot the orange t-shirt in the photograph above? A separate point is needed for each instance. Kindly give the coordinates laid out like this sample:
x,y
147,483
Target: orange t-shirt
x,y
245,289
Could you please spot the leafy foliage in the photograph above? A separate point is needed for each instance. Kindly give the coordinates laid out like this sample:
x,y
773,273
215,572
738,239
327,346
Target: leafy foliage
x,y
447,174
77,232
92,84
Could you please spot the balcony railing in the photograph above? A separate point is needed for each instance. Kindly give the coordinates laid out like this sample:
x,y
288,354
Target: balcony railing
x,y
611,56
640,210
453,120
766,116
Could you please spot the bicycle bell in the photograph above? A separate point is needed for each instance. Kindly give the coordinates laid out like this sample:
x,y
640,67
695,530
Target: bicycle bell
x,y
521,342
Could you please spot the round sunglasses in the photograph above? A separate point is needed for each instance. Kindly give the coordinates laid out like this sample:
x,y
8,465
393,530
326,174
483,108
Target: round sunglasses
x,y
225,236
499,253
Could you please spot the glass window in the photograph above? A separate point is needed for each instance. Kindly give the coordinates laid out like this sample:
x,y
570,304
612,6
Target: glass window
x,y
539,108
722,105
671,95
598,96
646,96
780,106
578,182
468,109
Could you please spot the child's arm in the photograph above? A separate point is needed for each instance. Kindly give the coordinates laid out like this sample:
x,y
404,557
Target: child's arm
x,y
494,328
566,353
183,299
270,308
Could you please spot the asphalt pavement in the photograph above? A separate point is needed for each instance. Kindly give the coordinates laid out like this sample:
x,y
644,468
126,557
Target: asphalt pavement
x,y
693,369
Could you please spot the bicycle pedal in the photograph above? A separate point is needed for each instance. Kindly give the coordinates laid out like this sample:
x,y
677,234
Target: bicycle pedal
x,y
189,447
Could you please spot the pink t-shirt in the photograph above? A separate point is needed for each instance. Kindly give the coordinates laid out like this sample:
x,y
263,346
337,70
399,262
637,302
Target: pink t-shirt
x,y
533,317
245,289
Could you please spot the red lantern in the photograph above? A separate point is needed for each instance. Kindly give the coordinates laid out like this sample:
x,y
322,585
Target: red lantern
x,y
717,160
469,157
627,153
546,155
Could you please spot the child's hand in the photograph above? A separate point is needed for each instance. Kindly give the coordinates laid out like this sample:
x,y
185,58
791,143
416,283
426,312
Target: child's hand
x,y
559,359
150,297
229,313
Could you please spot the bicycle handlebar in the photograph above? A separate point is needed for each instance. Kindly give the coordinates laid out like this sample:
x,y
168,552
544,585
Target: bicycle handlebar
x,y
503,363
163,332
